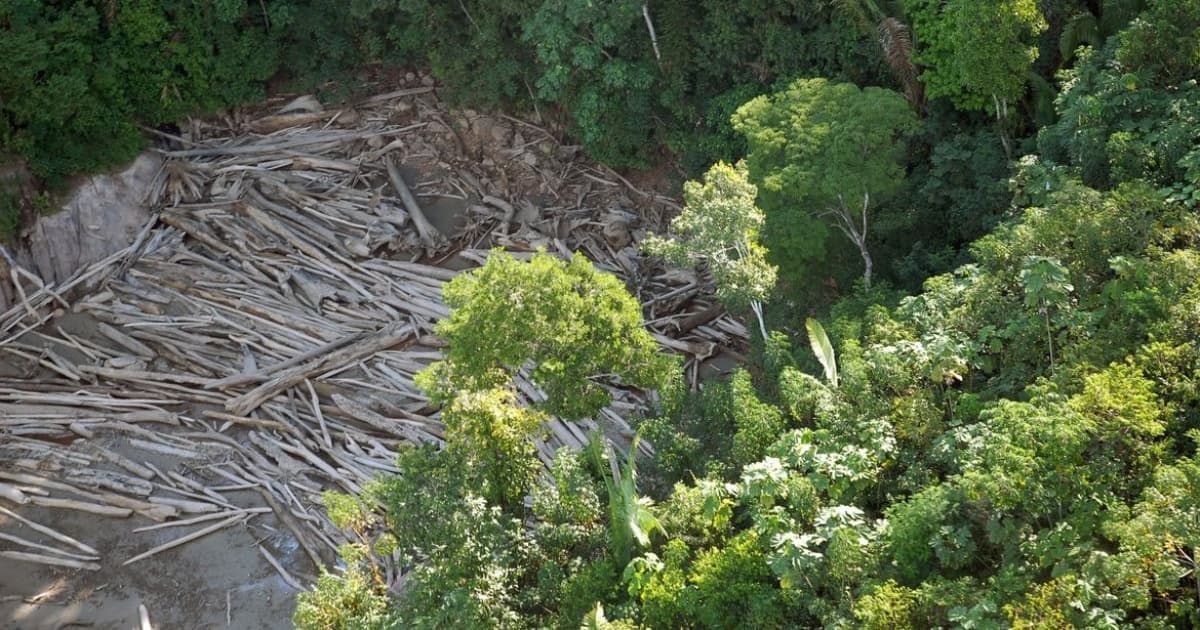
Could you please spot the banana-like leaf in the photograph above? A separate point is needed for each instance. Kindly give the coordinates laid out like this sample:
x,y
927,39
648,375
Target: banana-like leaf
x,y
595,619
823,349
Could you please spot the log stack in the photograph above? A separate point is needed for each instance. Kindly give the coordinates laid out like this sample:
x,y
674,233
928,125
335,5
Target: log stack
x,y
263,331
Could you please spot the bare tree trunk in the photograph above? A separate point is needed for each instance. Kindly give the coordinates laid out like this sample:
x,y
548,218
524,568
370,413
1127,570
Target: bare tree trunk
x,y
856,231
757,307
653,35
1001,114
867,265
1049,335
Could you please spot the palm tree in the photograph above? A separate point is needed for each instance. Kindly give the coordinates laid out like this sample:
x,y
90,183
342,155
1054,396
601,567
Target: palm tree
x,y
883,20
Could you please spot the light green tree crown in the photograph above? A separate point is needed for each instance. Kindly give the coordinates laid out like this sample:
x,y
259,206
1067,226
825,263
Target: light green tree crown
x,y
720,225
574,323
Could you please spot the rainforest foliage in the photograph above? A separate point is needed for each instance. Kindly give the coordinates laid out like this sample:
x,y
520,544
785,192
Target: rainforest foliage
x,y
967,230
1000,432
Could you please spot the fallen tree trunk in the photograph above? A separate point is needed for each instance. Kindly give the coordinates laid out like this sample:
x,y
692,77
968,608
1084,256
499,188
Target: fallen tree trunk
x,y
49,560
386,338
430,236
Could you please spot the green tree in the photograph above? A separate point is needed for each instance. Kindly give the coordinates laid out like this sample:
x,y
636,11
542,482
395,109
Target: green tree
x,y
596,58
350,601
1047,285
720,226
494,436
824,150
1163,534
977,52
76,76
578,326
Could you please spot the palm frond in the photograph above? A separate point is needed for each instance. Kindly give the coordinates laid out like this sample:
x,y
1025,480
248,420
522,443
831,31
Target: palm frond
x,y
1043,92
1083,29
895,39
630,520
1117,14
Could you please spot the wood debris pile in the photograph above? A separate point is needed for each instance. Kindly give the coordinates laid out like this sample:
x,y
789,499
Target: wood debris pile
x,y
262,334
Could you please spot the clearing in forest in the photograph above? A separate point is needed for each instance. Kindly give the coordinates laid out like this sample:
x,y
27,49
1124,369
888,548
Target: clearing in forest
x,y
170,415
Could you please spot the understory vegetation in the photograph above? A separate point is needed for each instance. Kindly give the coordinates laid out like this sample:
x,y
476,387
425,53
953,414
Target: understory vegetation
x,y
965,234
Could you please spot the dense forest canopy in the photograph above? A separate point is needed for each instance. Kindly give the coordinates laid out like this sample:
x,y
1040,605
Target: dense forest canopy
x,y
968,233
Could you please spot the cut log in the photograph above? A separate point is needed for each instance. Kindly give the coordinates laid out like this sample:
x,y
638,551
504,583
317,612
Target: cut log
x,y
120,460
429,235
185,539
13,494
265,373
37,527
202,518
40,547
82,506
144,618
287,577
388,337
125,341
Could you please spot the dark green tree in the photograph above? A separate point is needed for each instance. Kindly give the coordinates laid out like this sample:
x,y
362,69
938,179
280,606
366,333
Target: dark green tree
x,y
822,150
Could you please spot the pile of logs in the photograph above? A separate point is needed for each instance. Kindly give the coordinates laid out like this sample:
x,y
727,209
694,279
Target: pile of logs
x,y
263,332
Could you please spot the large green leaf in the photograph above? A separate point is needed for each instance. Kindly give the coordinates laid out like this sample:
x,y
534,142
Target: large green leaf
x,y
823,349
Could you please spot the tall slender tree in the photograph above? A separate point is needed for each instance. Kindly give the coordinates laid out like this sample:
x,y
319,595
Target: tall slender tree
x,y
720,225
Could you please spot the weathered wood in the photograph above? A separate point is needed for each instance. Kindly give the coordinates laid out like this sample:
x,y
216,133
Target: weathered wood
x,y
429,235
92,478
49,560
202,518
189,507
387,425
242,420
164,449
287,577
144,618
185,539
125,341
40,547
387,337
289,521
13,494
38,527
81,506
120,460
141,375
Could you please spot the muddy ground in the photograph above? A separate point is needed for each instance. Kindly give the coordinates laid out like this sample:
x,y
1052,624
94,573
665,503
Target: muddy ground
x,y
215,582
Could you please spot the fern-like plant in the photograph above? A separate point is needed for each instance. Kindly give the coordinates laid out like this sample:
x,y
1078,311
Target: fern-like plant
x,y
630,520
